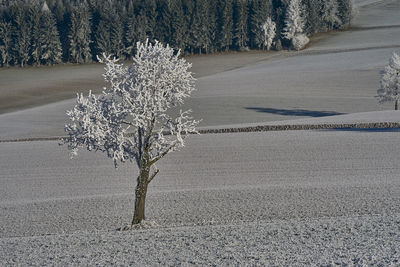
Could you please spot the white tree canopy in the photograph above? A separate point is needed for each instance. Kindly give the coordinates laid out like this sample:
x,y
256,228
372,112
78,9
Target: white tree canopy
x,y
129,120
269,32
390,81
294,22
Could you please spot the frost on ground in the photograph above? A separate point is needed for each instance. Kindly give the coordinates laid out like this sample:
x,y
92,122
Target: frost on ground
x,y
364,240
270,198
267,198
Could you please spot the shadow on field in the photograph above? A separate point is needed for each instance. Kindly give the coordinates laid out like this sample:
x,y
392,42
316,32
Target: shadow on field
x,y
370,130
295,112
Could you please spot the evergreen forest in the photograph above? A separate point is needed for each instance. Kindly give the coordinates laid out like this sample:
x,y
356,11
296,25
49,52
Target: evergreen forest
x,y
38,32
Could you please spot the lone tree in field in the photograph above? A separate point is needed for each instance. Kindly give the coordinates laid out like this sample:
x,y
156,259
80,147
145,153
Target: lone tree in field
x,y
129,121
390,82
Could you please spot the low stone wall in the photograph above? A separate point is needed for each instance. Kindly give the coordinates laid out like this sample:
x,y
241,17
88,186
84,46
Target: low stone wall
x,y
375,125
260,128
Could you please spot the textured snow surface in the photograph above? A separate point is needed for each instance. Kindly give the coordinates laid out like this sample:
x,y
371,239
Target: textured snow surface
x,y
329,197
364,240
245,198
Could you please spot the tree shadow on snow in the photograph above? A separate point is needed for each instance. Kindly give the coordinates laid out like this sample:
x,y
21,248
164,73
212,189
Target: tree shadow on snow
x,y
295,112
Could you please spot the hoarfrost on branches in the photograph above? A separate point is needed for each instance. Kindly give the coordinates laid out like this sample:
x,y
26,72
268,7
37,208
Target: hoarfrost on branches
x,y
294,22
390,82
329,15
129,121
269,32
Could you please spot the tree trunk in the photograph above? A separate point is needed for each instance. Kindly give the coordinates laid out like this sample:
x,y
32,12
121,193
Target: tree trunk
x,y
140,195
396,104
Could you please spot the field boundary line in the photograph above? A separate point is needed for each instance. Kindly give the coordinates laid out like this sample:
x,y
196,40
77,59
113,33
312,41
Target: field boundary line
x,y
259,128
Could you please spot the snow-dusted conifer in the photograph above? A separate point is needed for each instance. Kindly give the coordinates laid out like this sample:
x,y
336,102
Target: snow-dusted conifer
x,y
79,35
269,31
241,37
345,8
294,25
22,34
51,51
225,34
136,32
5,43
34,21
329,15
259,11
129,121
390,82
178,24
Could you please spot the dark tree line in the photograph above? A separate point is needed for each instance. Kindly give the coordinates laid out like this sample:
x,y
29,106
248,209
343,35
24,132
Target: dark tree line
x,y
38,32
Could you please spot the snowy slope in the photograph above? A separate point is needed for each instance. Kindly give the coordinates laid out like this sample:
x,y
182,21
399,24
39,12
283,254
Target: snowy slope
x,y
337,75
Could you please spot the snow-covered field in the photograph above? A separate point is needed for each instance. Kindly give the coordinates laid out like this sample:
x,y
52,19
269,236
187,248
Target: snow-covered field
x,y
327,197
295,196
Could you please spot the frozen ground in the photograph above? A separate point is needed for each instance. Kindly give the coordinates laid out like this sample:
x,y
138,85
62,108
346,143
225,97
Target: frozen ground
x,y
272,197
329,197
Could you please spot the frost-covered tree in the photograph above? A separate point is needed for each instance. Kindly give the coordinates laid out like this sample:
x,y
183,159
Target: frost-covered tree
x,y
345,8
178,24
50,49
22,34
390,82
129,121
5,42
240,17
136,32
225,33
79,35
269,31
294,25
34,20
329,15
259,11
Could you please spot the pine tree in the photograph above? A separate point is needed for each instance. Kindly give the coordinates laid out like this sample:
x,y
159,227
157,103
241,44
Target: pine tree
x,y
345,8
6,31
213,27
22,34
188,7
51,51
294,22
329,15
278,16
178,24
150,8
35,21
294,25
312,16
79,36
163,31
241,37
259,12
225,33
199,30
136,32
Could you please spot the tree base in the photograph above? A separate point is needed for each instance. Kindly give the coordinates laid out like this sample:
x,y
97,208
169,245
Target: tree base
x,y
140,226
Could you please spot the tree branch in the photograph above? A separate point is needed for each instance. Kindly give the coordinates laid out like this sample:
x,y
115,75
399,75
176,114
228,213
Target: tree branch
x,y
163,154
152,176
